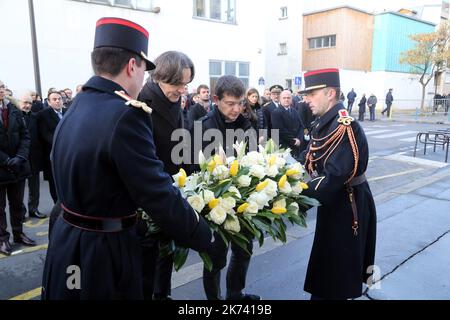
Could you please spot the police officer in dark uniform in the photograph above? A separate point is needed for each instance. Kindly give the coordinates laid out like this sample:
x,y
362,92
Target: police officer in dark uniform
x,y
229,98
344,242
268,108
105,168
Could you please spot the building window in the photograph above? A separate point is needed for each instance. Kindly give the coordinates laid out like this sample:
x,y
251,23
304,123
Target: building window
x,y
217,10
283,49
145,5
221,68
284,13
322,42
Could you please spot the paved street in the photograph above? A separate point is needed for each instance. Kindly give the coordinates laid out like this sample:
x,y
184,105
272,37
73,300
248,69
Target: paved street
x,y
413,241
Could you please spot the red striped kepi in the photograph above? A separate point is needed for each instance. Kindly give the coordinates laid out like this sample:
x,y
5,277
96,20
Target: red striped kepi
x,y
319,79
125,34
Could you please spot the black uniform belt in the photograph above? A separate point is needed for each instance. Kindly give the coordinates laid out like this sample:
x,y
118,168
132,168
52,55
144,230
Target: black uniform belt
x,y
97,224
358,180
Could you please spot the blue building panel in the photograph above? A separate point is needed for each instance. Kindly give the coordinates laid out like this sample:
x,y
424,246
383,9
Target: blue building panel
x,y
391,38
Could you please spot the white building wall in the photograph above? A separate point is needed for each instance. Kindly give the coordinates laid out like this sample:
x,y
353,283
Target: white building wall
x,y
289,31
65,35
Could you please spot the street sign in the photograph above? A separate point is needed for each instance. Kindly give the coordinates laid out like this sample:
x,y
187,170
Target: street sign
x,y
298,81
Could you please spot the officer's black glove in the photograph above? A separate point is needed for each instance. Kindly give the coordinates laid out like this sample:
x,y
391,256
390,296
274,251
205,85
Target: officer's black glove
x,y
14,164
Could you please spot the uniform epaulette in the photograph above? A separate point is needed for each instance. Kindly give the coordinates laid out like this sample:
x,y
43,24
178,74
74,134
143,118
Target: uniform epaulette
x,y
134,103
345,118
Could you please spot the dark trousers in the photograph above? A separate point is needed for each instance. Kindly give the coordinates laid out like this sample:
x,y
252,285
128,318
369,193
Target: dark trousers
x,y
163,277
372,113
52,187
387,109
350,106
14,192
361,116
236,274
150,254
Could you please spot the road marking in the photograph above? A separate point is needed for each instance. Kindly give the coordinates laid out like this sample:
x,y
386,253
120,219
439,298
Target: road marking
x,y
412,139
28,295
394,174
26,250
377,132
41,234
396,134
430,163
30,224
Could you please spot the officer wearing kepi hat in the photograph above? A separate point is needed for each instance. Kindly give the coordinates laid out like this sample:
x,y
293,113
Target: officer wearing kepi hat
x,y
269,107
103,178
346,221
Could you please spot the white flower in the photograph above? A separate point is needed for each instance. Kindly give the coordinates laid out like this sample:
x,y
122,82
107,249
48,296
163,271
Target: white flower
x,y
218,215
236,191
244,181
221,172
191,182
201,158
232,224
280,162
227,203
280,203
252,158
196,202
208,196
286,189
297,188
260,198
252,208
298,167
271,189
257,171
294,207
272,171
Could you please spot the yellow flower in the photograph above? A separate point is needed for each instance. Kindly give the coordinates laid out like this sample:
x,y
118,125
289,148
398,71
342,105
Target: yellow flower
x,y
211,165
282,181
292,172
304,185
213,203
262,185
272,160
278,210
243,207
182,178
218,160
234,168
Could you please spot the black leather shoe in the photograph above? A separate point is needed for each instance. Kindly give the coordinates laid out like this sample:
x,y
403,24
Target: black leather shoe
x,y
23,239
37,214
5,248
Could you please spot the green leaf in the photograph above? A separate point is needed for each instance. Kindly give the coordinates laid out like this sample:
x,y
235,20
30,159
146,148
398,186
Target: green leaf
x,y
308,201
206,261
222,187
179,257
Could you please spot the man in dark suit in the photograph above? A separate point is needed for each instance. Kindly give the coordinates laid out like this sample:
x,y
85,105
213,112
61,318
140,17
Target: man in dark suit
x,y
14,168
103,178
35,157
287,120
47,120
174,70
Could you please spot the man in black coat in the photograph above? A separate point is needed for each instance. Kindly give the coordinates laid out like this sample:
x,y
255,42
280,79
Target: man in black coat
x,y
105,167
351,96
35,157
163,92
344,243
389,100
202,107
287,120
14,168
47,120
229,97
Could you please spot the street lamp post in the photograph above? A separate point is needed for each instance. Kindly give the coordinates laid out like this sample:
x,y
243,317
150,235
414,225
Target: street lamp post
x,y
37,73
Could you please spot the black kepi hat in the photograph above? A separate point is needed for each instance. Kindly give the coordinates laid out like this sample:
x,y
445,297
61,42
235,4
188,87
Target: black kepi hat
x,y
276,88
125,34
319,79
